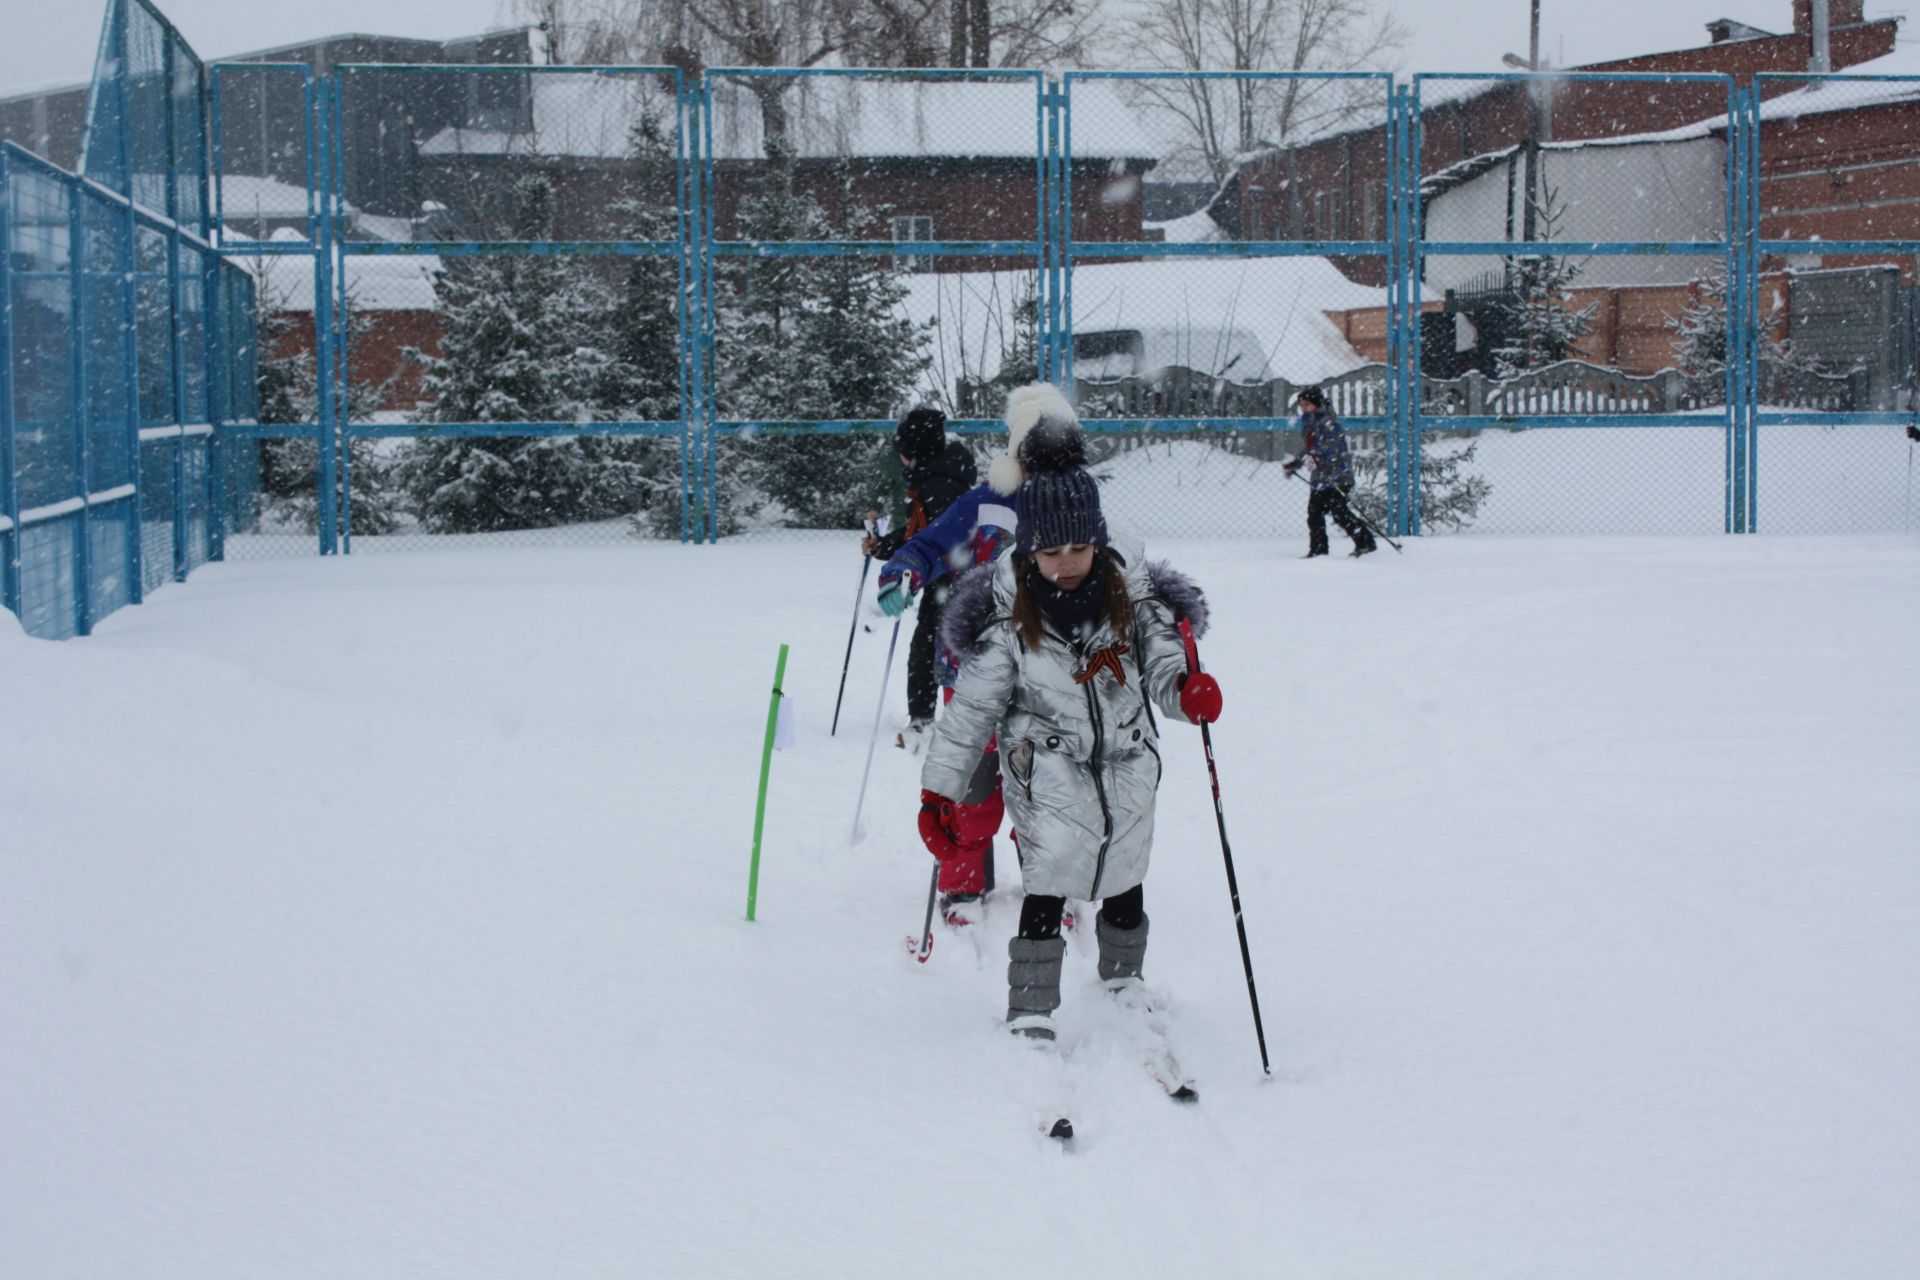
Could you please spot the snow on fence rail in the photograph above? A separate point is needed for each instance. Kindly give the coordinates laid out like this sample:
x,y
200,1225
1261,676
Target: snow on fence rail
x,y
1565,387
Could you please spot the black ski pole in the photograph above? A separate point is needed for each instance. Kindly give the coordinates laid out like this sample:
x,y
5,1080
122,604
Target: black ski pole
x,y
926,930
1357,516
1226,852
852,628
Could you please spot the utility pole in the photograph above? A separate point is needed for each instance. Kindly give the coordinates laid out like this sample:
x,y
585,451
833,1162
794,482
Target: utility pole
x,y
1533,120
1539,117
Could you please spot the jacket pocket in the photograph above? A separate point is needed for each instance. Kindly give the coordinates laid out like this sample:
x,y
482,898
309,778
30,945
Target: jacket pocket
x,y
1020,765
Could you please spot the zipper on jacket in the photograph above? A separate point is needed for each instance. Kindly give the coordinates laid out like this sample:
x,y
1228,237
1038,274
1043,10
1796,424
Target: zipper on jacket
x,y
1099,789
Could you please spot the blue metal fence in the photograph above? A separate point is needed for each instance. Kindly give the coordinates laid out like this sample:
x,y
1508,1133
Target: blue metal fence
x,y
131,445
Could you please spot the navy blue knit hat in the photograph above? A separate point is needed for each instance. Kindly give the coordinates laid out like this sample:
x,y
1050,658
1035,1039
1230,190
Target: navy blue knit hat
x,y
1059,501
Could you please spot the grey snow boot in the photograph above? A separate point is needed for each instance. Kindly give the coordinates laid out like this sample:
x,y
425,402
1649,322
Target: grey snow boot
x,y
1033,985
1123,952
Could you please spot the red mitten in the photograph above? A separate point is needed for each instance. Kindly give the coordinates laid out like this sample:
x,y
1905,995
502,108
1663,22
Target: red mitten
x,y
936,825
1199,698
974,824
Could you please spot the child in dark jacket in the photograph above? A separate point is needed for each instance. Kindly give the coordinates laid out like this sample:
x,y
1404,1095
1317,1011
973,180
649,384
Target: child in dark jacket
x,y
936,471
974,530
1332,476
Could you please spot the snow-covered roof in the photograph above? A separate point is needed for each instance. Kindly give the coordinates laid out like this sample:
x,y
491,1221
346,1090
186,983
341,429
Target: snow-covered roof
x,y
400,282
1841,94
245,195
1270,312
1473,166
834,116
1197,227
830,117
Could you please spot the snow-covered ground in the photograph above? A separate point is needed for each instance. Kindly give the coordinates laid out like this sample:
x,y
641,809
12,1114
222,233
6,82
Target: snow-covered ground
x,y
382,916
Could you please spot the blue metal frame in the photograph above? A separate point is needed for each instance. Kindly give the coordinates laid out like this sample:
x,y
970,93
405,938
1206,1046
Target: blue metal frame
x,y
696,248
1041,248
82,415
338,249
216,147
1758,248
9,472
323,322
1727,248
1061,326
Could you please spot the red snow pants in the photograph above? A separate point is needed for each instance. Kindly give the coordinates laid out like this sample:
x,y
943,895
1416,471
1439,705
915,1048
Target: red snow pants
x,y
976,818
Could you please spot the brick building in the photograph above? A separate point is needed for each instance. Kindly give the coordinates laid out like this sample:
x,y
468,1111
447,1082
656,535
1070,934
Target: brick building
x,y
1329,188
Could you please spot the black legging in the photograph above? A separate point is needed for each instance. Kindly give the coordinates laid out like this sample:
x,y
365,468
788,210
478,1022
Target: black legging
x,y
1040,914
1332,501
922,653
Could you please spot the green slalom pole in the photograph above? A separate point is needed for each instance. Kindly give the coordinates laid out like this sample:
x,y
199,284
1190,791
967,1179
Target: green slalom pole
x,y
766,766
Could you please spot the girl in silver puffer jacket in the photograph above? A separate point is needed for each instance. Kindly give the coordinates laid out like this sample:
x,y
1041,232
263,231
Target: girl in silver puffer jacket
x,y
1067,647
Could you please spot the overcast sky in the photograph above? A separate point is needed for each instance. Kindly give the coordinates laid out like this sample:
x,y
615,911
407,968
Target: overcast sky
x,y
57,45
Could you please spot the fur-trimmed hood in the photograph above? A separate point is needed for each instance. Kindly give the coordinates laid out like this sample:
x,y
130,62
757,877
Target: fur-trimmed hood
x,y
983,596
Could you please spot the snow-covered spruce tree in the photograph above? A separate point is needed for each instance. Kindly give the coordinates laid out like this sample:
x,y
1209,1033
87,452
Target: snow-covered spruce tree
x,y
1700,341
523,340
290,469
1545,325
810,339
1450,495
642,378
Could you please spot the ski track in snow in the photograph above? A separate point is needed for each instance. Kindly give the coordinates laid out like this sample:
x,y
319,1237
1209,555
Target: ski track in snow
x,y
382,916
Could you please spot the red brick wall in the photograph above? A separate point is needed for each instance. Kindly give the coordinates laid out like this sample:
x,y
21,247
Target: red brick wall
x,y
378,352
1498,118
972,200
1844,175
1630,330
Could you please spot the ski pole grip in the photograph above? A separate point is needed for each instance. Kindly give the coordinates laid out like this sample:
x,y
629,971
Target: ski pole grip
x,y
1193,650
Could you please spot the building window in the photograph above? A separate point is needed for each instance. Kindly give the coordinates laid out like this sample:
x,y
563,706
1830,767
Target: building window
x,y
1330,215
913,228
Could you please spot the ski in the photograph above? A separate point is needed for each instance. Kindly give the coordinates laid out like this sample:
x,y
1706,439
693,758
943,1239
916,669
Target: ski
x,y
1167,1074
1148,1029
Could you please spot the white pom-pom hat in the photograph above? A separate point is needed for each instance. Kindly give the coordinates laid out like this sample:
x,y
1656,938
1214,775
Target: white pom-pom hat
x,y
1026,407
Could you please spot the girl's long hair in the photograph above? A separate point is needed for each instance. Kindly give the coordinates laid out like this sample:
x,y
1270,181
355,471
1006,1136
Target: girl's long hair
x,y
1027,619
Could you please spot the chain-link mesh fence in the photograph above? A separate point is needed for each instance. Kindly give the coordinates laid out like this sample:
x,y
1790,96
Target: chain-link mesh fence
x,y
403,306
1577,366
512,307
1832,185
124,337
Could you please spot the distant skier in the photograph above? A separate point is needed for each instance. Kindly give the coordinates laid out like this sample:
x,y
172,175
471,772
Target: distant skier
x,y
1065,648
1332,462
936,471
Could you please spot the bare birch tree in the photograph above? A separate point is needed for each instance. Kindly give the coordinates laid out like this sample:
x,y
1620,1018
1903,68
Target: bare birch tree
x,y
1219,119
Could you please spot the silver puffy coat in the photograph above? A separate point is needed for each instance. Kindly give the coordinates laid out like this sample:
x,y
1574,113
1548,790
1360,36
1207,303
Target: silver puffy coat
x,y
1080,759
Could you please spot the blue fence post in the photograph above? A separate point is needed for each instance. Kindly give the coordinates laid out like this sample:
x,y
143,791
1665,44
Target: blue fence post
x,y
82,410
323,324
1416,232
1752,405
1042,227
9,473
1396,309
130,349
177,353
684,303
709,327
1735,213
217,409
1063,220
1409,266
343,328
